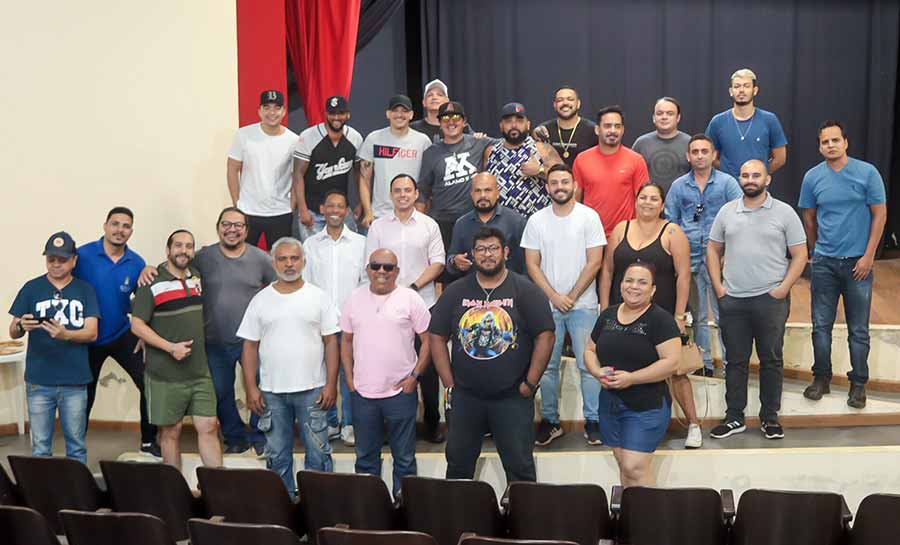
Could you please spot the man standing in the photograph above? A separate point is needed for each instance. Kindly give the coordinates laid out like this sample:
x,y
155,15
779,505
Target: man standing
x,y
384,154
434,97
754,233
447,170
569,133
746,132
59,313
520,163
416,241
843,206
484,194
501,331
323,162
113,269
337,264
609,175
259,172
665,149
563,252
168,316
693,203
289,338
379,323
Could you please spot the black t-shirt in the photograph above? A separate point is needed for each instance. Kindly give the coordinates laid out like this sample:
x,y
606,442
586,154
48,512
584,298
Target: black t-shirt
x,y
329,166
585,138
632,347
491,342
433,132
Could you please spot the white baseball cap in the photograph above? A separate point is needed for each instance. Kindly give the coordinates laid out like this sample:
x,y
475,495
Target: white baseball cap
x,y
437,82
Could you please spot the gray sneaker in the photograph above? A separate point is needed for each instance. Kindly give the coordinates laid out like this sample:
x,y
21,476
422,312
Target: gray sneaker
x,y
547,432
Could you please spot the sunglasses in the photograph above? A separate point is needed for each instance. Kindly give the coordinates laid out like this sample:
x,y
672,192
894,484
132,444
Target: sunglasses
x,y
388,267
456,118
698,211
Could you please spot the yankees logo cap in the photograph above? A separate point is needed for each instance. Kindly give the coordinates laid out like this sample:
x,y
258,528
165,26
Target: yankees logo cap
x,y
271,96
513,108
60,244
336,105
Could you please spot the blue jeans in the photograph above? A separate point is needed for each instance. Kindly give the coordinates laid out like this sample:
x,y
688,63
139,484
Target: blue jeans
x,y
369,415
831,279
221,367
43,401
299,408
703,297
305,232
579,323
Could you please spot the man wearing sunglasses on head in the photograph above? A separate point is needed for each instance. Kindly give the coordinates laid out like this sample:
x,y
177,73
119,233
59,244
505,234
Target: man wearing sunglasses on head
x,y
693,202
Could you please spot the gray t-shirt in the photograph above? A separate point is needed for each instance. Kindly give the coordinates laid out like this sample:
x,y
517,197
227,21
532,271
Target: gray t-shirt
x,y
666,158
756,244
391,155
228,285
446,176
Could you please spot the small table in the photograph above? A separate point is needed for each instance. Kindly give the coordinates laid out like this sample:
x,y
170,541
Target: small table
x,y
18,361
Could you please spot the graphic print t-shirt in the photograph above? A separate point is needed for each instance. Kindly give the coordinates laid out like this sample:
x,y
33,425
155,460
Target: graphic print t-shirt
x,y
492,337
563,141
391,155
446,176
329,164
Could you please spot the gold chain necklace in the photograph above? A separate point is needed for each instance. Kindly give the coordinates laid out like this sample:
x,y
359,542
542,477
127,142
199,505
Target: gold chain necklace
x,y
566,145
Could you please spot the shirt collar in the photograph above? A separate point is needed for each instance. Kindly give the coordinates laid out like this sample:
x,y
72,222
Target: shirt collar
x,y
102,251
412,218
766,204
323,234
693,181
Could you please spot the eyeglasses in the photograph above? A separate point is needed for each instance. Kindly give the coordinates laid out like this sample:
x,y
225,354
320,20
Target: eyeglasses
x,y
388,267
229,224
455,118
698,210
487,249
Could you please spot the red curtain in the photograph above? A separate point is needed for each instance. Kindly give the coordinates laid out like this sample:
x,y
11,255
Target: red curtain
x,y
261,60
321,37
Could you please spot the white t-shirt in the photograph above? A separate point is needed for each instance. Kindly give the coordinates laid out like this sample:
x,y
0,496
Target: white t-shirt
x,y
265,188
289,328
391,156
563,243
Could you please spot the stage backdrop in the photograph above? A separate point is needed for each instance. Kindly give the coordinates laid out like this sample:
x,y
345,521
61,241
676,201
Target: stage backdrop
x,y
814,60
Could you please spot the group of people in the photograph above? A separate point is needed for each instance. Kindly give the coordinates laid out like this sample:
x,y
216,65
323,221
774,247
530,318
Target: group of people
x,y
480,256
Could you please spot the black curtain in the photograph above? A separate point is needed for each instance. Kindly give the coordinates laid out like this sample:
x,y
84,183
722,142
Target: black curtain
x,y
815,60
373,15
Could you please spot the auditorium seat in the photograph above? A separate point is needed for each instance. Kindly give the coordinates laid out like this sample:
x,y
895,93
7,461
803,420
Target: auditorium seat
x,y
468,539
790,518
24,526
9,492
361,502
249,496
207,532
153,489
83,528
569,512
444,509
50,484
877,520
346,536
674,516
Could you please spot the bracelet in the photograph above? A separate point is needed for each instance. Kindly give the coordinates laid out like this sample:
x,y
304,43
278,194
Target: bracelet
x,y
682,317
20,327
414,375
532,387
414,287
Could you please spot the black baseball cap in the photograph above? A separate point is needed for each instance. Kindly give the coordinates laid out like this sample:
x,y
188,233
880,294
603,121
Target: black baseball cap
x,y
60,244
271,97
337,105
400,100
513,108
451,107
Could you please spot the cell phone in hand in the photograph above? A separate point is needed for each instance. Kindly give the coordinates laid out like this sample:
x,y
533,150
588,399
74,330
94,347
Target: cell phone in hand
x,y
42,319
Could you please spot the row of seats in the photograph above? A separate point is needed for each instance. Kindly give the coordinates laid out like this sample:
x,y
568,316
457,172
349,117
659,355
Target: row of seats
x,y
442,509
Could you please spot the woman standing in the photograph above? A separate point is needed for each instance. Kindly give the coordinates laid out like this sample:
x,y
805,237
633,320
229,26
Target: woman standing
x,y
651,239
633,348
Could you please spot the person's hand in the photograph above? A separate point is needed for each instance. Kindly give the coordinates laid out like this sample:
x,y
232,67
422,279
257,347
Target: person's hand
x,y
531,167
461,262
721,292
29,322
525,391
148,274
327,396
367,220
563,303
863,267
408,384
779,292
55,330
255,401
541,134
681,325
306,218
618,380
606,372
181,350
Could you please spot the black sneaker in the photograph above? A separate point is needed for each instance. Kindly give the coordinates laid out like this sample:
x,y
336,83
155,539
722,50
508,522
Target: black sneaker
x,y
772,430
237,448
547,432
152,450
592,433
726,428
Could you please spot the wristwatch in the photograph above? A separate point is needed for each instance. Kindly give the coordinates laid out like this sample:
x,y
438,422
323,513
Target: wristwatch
x,y
414,375
20,327
414,287
532,387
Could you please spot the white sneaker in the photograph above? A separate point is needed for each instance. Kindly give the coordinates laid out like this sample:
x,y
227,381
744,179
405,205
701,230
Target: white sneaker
x,y
694,437
333,432
347,436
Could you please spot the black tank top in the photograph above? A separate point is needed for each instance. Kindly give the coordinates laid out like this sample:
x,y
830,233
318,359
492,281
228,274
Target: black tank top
x,y
654,253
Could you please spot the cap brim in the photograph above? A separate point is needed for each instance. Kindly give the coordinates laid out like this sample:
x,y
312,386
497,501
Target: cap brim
x,y
58,252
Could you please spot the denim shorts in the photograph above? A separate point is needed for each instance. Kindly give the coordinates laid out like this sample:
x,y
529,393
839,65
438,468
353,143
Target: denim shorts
x,y
622,427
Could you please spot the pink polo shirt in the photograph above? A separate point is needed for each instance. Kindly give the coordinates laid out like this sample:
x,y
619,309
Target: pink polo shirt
x,y
384,329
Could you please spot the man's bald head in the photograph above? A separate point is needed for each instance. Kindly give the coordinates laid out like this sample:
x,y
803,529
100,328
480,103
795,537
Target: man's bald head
x,y
383,255
485,191
754,178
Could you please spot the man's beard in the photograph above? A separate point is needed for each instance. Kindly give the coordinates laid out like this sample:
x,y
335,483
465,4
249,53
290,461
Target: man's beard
x,y
174,262
229,245
285,277
518,139
339,125
752,191
567,198
567,116
492,272
489,208
742,102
